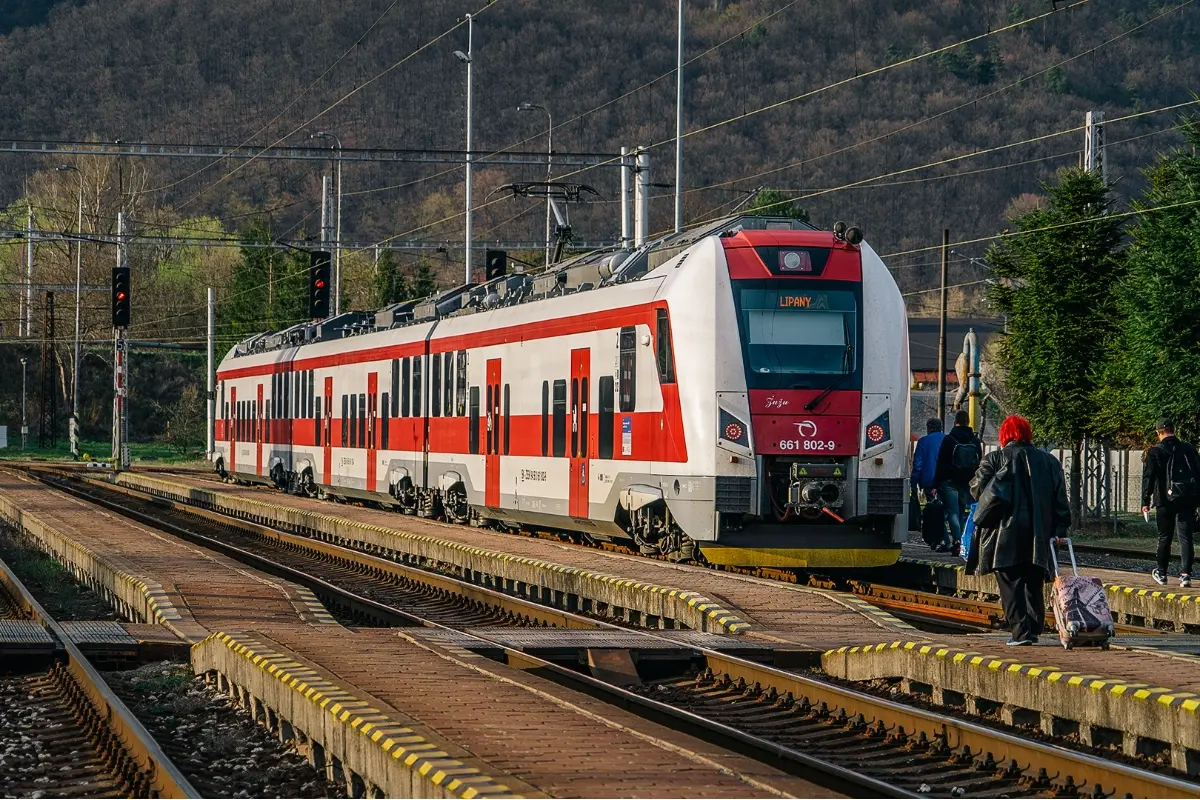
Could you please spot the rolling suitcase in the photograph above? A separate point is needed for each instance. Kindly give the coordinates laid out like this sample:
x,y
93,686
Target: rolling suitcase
x,y
1081,610
933,523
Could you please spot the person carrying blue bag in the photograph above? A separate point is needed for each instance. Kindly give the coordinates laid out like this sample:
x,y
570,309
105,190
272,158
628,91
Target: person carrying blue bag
x,y
968,535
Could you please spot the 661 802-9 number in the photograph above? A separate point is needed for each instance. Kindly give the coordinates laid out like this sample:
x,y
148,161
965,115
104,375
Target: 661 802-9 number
x,y
806,444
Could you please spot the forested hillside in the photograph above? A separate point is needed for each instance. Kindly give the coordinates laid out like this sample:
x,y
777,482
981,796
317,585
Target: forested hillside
x,y
929,143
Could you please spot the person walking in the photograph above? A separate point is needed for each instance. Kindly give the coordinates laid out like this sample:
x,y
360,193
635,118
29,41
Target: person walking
x,y
1169,484
1034,514
958,458
923,469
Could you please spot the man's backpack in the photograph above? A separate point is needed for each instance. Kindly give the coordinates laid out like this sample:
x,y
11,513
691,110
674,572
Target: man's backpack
x,y
1181,478
965,457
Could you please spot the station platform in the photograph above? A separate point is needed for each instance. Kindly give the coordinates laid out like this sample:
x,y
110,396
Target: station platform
x,y
1134,597
147,575
460,721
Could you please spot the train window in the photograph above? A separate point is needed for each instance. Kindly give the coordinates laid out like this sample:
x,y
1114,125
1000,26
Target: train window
x,y
288,403
312,394
255,422
448,386
317,417
345,417
462,383
583,418
382,422
473,422
275,394
545,418
628,374
604,437
560,419
266,422
435,385
506,419
416,404
394,409
666,356
574,417
362,420
405,389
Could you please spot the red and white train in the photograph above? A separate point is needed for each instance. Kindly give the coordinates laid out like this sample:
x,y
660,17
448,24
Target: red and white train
x,y
738,393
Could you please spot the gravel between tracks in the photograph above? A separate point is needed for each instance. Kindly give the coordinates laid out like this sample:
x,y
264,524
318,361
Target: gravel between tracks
x,y
218,747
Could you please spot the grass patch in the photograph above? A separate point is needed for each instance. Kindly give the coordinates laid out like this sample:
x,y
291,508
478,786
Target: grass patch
x,y
139,453
50,582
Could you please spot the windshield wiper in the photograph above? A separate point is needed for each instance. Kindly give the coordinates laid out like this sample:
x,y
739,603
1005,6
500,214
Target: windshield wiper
x,y
847,369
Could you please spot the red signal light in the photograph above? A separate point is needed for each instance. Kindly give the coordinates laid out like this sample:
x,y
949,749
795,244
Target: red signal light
x,y
120,295
320,284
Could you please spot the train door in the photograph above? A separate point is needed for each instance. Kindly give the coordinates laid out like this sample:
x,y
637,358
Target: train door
x,y
327,436
372,443
258,432
580,387
233,428
492,447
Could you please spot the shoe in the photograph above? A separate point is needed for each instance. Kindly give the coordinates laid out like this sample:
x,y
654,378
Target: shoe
x,y
1020,642
1159,576
1185,580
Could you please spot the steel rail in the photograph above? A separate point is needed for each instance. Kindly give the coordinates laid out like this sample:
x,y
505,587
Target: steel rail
x,y
165,779
956,734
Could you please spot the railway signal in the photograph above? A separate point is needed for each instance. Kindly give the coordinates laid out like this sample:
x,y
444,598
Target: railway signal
x,y
497,263
120,297
318,284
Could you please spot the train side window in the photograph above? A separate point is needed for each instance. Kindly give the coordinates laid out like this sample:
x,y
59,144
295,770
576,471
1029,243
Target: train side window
x,y
473,422
312,392
604,437
416,405
560,419
583,417
628,374
317,417
382,422
666,355
275,394
506,413
255,422
353,400
345,418
461,394
394,409
362,420
448,386
405,386
435,385
545,418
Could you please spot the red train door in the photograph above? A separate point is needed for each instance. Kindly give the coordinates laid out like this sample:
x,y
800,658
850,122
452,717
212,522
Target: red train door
x,y
258,433
327,438
372,443
580,388
491,493
233,428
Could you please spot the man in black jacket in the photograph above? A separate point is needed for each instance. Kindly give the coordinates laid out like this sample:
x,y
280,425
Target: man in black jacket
x,y
1170,484
958,458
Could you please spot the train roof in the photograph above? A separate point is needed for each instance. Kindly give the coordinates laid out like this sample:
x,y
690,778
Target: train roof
x,y
596,269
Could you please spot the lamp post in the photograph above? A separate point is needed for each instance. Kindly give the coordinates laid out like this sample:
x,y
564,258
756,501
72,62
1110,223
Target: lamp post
x,y
549,158
466,58
337,233
74,423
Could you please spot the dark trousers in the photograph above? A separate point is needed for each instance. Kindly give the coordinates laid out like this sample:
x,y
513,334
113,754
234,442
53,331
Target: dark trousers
x,y
1175,518
1021,595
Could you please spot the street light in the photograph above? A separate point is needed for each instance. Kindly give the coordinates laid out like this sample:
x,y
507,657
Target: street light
x,y
74,422
549,157
337,234
466,58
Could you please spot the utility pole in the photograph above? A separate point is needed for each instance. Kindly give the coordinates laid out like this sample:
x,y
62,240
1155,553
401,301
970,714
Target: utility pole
x,y
641,198
941,381
24,406
120,426
1093,144
209,430
467,58
679,124
29,275
48,401
73,423
626,216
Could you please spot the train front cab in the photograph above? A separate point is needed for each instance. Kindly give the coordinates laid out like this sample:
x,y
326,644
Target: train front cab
x,y
812,406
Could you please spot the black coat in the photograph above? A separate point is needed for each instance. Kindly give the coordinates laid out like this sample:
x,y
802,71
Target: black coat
x,y
1040,510
959,434
1154,471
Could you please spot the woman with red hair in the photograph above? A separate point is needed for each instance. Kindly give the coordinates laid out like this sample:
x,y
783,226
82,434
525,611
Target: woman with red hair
x,y
1017,549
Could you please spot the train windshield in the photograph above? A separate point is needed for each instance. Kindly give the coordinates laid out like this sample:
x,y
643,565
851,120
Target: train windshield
x,y
797,334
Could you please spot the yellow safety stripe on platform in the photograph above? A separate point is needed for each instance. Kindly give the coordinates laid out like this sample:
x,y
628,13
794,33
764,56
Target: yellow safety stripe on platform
x,y
420,755
1050,674
886,618
726,619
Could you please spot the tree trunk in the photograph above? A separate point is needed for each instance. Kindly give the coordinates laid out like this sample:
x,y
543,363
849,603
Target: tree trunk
x,y
1076,488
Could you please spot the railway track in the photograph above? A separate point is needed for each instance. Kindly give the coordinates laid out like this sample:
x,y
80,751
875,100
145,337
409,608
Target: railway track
x,y
859,742
63,732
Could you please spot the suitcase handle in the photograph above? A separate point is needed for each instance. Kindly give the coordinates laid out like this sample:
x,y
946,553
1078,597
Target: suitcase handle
x,y
1070,550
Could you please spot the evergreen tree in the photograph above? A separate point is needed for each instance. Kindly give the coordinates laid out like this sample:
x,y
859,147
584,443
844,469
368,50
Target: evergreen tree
x,y
425,283
1056,278
1161,296
269,289
390,285
774,203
